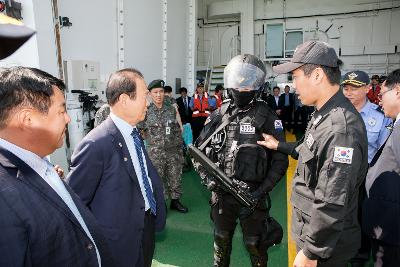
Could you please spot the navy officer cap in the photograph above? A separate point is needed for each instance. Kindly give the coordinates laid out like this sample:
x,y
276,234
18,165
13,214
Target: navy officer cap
x,y
156,84
356,78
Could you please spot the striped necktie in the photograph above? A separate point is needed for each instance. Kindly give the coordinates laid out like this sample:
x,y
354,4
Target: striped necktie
x,y
139,148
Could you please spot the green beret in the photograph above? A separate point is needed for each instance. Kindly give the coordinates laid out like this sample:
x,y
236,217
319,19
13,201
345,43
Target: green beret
x,y
156,84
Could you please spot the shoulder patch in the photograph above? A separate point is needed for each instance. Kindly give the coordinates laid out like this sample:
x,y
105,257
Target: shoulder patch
x,y
278,125
343,155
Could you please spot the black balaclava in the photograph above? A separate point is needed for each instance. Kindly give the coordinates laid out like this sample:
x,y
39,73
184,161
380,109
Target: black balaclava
x,y
242,99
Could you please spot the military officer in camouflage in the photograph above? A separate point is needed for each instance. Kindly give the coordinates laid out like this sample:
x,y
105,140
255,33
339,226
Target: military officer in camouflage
x,y
164,139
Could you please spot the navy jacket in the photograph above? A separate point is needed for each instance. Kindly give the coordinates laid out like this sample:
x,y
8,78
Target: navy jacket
x,y
103,175
381,210
36,226
282,101
186,117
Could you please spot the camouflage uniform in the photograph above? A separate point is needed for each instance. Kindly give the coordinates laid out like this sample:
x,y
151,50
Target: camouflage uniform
x,y
101,114
164,140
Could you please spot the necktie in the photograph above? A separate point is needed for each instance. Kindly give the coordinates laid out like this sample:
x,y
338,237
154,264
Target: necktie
x,y
185,103
139,147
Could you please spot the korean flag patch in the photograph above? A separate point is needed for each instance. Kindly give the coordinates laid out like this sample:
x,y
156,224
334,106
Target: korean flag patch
x,y
343,155
278,125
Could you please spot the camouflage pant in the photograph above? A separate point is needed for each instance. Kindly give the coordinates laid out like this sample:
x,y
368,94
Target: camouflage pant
x,y
169,167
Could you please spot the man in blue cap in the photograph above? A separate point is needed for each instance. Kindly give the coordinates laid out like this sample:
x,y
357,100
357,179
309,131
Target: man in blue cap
x,y
355,88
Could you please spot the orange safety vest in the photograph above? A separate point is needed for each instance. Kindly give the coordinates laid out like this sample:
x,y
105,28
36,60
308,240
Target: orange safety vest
x,y
219,101
200,108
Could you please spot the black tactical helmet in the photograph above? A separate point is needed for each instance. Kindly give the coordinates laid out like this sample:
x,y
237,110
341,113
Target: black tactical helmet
x,y
244,72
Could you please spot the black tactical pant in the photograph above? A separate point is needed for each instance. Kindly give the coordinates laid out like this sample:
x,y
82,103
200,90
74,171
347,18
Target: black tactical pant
x,y
197,125
252,225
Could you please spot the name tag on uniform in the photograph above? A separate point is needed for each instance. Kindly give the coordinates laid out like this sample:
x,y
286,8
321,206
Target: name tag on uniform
x,y
343,155
167,130
310,141
246,128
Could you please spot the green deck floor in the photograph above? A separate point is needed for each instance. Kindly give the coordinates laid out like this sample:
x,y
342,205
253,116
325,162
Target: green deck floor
x,y
187,240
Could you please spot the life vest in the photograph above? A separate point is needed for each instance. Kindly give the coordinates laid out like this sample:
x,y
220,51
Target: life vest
x,y
373,95
200,107
219,100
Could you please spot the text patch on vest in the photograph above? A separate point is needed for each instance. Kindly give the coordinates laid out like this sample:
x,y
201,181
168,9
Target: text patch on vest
x,y
246,128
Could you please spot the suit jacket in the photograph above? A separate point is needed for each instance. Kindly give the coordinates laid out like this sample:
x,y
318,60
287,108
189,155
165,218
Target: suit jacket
x,y
102,174
381,209
36,226
272,103
186,117
282,101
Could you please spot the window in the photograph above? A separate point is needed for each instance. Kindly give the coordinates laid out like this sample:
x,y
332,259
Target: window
x,y
280,43
293,39
274,41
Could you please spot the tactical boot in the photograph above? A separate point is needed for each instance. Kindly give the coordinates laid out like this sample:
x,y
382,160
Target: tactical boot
x,y
176,205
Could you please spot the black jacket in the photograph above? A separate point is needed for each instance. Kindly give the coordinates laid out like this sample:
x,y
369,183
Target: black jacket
x,y
186,115
381,210
282,100
326,182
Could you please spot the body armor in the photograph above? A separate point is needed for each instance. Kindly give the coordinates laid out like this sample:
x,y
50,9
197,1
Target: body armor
x,y
236,151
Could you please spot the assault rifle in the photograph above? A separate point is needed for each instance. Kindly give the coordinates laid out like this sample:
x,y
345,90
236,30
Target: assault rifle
x,y
238,189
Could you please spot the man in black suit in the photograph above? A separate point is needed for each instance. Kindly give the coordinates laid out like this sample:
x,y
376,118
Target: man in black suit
x,y
381,217
113,175
273,100
42,222
286,104
183,106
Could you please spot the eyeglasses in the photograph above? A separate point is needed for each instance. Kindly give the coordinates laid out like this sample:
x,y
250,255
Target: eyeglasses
x,y
380,95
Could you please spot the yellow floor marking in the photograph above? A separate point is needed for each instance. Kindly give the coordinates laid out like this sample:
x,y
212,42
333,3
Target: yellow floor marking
x,y
289,176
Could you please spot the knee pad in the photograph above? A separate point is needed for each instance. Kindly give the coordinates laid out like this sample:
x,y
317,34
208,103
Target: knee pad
x,y
222,237
252,244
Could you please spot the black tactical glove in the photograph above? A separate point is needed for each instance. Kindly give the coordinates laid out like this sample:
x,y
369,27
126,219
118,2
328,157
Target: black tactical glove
x,y
210,183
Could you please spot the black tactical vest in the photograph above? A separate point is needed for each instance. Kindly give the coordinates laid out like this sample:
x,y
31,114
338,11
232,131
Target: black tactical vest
x,y
237,150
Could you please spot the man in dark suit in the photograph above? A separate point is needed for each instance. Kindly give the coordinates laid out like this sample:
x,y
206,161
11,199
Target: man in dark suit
x,y
42,222
381,217
286,104
183,106
273,100
114,177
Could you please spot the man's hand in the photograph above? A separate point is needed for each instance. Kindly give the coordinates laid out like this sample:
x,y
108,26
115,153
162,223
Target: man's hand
x,y
269,142
278,112
302,261
59,171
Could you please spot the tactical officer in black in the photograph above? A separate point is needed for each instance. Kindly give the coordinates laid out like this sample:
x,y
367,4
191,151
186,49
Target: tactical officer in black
x,y
235,150
332,161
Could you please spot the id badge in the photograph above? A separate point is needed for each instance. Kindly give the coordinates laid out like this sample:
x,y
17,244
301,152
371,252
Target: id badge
x,y
167,130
